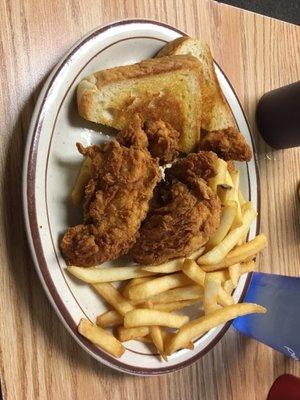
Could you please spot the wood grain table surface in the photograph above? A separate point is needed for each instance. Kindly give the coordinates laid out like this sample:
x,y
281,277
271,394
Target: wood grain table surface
x,y
38,358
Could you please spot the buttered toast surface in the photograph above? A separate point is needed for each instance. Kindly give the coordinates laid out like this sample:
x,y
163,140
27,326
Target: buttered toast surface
x,y
167,88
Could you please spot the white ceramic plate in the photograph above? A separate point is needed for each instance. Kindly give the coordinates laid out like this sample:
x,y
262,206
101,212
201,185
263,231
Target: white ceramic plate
x,y
51,165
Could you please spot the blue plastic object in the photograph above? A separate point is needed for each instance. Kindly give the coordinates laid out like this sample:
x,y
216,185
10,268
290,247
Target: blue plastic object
x,y
279,328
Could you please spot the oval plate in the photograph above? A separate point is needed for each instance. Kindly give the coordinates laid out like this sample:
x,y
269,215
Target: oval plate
x,y
51,166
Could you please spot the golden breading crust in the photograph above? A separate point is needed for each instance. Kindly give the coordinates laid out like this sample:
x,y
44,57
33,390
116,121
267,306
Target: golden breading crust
x,y
228,144
189,214
116,202
161,139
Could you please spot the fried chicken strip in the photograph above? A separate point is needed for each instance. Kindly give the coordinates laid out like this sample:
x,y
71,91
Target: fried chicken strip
x,y
228,144
163,139
189,216
116,201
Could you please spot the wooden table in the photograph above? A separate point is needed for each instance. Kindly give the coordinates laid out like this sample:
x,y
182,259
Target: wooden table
x,y
39,359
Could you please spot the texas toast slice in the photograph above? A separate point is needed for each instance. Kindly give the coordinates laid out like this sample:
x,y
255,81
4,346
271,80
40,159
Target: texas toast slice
x,y
168,88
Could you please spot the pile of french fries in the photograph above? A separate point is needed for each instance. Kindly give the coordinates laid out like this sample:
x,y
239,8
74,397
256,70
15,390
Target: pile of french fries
x,y
147,307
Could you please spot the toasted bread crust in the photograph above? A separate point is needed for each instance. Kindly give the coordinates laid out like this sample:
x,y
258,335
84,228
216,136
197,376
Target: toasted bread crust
x,y
171,48
146,68
216,113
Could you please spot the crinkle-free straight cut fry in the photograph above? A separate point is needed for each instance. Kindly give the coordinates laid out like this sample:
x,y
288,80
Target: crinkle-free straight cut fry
x,y
200,326
125,334
240,253
220,178
100,338
112,296
173,265
156,335
211,292
113,274
109,319
227,218
135,281
112,318
158,285
234,273
219,252
247,267
148,317
191,292
195,273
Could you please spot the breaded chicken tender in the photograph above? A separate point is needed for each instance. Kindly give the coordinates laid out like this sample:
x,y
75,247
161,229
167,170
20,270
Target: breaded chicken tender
x,y
189,213
116,201
228,144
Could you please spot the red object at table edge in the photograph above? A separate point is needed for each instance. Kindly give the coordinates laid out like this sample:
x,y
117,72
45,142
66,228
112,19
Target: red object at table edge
x,y
285,387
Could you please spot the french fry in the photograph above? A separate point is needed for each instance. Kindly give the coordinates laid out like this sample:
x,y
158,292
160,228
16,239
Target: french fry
x,y
82,179
227,218
191,292
234,273
246,206
248,259
228,286
175,305
165,268
221,275
200,326
112,296
112,318
135,281
238,220
241,198
219,252
148,317
145,339
100,338
173,265
109,319
228,196
211,290
247,267
243,238
220,177
240,254
189,346
197,253
224,298
228,184
169,335
158,285
225,189
156,335
125,334
193,271
111,274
